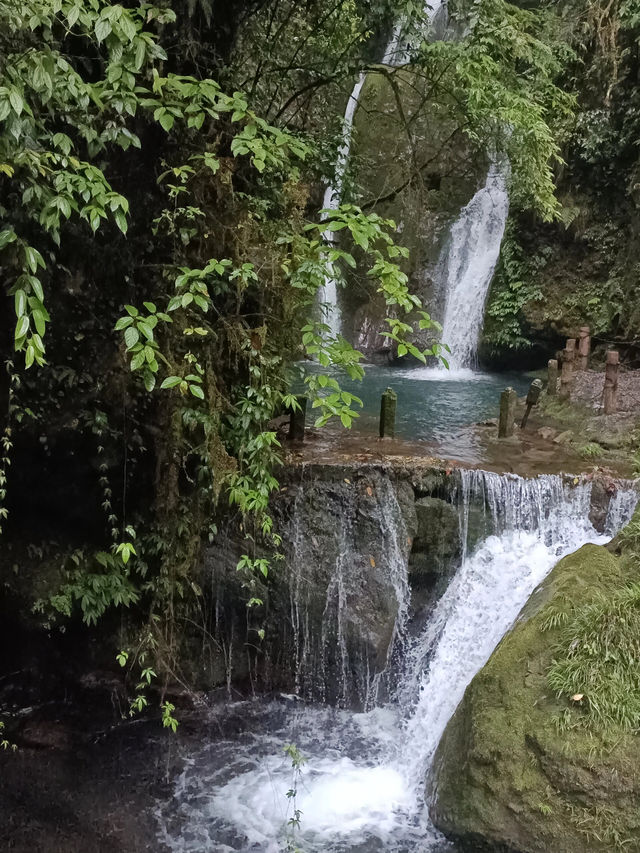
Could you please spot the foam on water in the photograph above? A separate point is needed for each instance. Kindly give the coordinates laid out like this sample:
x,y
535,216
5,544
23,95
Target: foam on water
x,y
443,374
362,788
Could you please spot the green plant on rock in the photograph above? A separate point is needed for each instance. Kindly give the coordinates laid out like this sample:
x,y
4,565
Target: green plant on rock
x,y
514,288
595,661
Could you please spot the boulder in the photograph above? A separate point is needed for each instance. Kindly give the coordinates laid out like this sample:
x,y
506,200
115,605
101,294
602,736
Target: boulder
x,y
518,768
436,548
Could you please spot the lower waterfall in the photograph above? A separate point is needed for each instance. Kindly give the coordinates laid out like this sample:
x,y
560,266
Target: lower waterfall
x,y
362,787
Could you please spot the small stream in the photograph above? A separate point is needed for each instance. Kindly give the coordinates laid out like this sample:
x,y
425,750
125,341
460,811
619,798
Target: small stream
x,y
362,786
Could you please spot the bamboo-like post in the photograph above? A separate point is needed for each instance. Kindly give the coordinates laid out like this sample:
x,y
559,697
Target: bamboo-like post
x,y
388,405
508,400
297,420
566,376
611,382
535,389
552,377
584,348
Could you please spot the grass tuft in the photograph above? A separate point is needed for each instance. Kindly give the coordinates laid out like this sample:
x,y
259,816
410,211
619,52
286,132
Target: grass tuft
x,y
597,658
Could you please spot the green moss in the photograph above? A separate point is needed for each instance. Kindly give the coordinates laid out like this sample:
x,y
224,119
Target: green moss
x,y
506,771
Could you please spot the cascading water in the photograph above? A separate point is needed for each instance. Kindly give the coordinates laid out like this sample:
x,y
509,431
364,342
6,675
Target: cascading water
x,y
363,786
398,49
340,650
621,507
467,265
395,54
332,200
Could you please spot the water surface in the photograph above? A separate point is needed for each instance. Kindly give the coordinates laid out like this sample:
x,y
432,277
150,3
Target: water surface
x,y
434,405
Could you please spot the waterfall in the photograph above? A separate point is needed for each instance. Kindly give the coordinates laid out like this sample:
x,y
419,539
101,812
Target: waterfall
x,y
394,55
335,641
467,264
621,508
397,53
363,785
532,523
332,200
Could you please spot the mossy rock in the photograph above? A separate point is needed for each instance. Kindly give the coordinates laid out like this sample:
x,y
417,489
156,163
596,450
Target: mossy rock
x,y
506,774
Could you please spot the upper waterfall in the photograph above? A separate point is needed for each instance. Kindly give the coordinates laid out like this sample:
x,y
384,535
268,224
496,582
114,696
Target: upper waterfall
x,y
332,199
467,264
398,49
395,54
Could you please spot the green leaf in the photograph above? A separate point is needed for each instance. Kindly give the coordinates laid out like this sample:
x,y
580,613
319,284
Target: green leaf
x,y
37,288
33,258
38,319
123,323
121,221
8,235
166,121
102,29
138,360
131,336
20,302
197,391
171,382
16,101
146,330
22,327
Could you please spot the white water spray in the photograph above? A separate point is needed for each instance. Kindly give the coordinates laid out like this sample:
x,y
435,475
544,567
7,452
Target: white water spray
x,y
466,267
363,787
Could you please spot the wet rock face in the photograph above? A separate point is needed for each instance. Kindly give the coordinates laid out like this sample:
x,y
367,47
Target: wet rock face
x,y
437,547
506,774
332,606
362,542
344,581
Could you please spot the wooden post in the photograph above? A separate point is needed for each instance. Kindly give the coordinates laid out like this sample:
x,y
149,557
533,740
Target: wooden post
x,y
388,404
584,348
297,420
611,382
535,389
508,400
566,376
552,377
